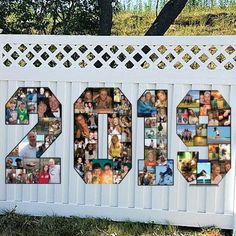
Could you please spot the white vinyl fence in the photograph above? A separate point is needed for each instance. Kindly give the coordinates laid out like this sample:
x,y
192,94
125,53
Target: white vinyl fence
x,y
69,64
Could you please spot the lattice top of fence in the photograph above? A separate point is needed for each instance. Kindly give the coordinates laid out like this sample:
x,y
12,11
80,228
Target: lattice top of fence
x,y
160,53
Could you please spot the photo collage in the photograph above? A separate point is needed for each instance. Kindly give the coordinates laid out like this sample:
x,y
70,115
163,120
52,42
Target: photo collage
x,y
24,164
156,169
204,119
91,168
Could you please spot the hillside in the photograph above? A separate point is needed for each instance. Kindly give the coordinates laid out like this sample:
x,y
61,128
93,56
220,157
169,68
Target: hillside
x,y
198,21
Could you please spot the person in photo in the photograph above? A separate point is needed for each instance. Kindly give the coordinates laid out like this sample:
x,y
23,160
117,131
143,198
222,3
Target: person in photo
x,y
43,175
11,113
54,172
29,151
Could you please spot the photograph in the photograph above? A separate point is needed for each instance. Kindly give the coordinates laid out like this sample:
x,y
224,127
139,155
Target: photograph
x,y
193,116
201,130
203,172
147,104
150,133
186,134
191,100
205,97
102,172
187,165
217,101
219,134
182,116
165,174
213,152
103,100
146,174
224,152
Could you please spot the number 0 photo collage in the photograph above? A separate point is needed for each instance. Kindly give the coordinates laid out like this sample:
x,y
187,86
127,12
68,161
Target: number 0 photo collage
x,y
24,164
112,168
204,119
156,168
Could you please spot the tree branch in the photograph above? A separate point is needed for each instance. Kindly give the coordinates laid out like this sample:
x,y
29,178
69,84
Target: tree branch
x,y
166,17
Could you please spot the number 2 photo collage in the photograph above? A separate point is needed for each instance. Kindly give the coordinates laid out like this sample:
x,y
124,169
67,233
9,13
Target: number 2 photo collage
x,y
24,164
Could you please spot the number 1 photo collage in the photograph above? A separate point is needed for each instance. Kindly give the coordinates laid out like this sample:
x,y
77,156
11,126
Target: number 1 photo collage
x,y
156,168
24,164
92,168
204,119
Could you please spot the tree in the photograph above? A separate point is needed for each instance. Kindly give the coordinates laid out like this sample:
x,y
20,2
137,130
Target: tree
x,y
166,17
105,7
49,17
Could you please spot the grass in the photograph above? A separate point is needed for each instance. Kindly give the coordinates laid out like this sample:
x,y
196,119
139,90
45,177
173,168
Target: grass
x,y
197,21
12,223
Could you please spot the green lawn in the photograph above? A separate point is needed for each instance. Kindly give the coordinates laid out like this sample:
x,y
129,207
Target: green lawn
x,y
16,224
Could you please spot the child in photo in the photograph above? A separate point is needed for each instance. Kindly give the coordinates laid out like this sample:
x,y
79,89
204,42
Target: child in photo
x,y
54,106
182,116
125,121
161,98
215,175
107,174
150,159
115,127
79,106
22,113
44,108
103,101
92,122
86,108
88,96
117,95
97,173
193,116
11,112
125,135
115,148
43,175
161,116
147,123
145,106
90,151
205,97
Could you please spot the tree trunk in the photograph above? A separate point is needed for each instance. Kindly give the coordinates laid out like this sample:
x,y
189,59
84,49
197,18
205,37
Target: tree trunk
x,y
166,17
105,16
